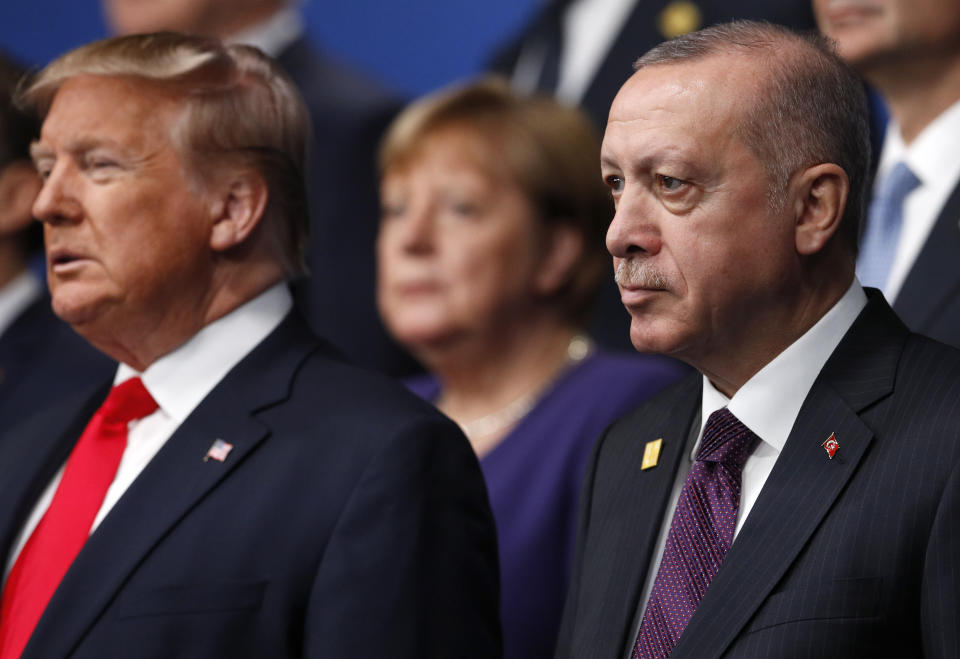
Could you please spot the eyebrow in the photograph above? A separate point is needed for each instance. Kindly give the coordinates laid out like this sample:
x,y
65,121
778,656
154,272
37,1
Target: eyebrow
x,y
79,146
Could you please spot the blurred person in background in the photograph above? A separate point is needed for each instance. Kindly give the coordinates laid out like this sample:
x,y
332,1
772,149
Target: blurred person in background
x,y
349,113
910,246
489,255
41,358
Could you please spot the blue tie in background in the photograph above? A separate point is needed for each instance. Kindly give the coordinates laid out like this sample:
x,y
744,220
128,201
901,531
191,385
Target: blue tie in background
x,y
884,220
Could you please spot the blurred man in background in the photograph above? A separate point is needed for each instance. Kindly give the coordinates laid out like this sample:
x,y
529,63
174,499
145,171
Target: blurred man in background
x,y
41,358
349,112
909,50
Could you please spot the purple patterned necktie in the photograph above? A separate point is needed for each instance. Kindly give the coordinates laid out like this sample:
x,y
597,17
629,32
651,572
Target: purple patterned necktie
x,y
700,534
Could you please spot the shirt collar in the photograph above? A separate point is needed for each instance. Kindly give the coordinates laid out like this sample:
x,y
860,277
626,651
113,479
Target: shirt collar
x,y
181,379
274,34
931,155
16,296
769,402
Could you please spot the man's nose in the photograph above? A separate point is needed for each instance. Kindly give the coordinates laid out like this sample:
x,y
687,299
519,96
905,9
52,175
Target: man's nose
x,y
634,228
57,200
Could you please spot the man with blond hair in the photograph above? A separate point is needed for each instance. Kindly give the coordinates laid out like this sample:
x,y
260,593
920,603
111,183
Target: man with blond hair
x,y
800,497
240,491
349,112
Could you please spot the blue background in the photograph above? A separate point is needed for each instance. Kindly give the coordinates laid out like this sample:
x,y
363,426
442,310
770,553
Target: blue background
x,y
412,45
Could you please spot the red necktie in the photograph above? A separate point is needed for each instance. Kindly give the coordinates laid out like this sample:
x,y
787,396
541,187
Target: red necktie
x,y
66,524
700,534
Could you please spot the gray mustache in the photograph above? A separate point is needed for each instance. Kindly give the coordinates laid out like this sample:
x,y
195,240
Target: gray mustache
x,y
638,273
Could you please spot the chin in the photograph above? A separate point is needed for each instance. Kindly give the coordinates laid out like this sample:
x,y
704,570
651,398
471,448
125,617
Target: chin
x,y
654,338
75,309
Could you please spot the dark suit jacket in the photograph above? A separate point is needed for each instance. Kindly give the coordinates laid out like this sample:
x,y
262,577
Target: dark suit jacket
x,y
41,361
349,520
851,557
349,114
610,324
929,301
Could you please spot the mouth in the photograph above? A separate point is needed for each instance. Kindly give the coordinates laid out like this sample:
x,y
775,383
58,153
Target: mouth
x,y
637,296
63,260
417,287
842,13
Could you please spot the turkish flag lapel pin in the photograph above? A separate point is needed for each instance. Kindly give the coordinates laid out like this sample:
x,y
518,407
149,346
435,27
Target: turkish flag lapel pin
x,y
831,446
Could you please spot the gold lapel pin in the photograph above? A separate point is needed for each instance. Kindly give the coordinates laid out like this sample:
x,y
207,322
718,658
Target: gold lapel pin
x,y
651,454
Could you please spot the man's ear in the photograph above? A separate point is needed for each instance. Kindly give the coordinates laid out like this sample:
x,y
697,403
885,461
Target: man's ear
x,y
239,209
562,250
819,195
19,187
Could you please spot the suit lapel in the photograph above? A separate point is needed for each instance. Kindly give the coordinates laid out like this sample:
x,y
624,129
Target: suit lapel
x,y
633,503
33,452
173,482
804,483
934,278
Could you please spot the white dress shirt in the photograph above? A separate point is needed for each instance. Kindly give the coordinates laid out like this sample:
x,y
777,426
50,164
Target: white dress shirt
x,y
178,381
589,30
932,157
768,404
16,296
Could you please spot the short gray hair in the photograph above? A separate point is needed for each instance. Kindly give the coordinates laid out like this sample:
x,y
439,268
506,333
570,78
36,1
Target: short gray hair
x,y
239,106
811,109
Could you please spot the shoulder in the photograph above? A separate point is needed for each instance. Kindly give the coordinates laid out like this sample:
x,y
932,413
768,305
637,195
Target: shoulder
x,y
670,407
618,382
927,383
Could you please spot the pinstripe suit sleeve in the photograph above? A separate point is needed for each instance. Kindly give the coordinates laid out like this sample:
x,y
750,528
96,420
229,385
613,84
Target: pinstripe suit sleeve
x,y
940,599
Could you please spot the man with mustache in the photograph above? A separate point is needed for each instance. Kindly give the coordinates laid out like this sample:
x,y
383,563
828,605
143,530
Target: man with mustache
x,y
909,50
800,497
240,490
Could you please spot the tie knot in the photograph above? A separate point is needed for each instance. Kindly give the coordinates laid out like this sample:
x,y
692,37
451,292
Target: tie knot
x,y
726,439
900,182
127,401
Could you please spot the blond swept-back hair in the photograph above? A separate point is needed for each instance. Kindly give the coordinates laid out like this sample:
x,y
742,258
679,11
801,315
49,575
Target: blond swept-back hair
x,y
550,151
239,108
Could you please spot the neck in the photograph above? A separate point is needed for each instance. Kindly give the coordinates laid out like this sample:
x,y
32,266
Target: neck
x,y
140,338
486,375
733,361
918,90
237,22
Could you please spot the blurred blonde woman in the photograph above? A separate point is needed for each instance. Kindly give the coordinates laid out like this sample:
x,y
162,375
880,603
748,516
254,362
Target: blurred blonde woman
x,y
490,252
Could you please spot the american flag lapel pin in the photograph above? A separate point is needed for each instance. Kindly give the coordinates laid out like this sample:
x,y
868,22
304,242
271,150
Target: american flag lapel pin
x,y
831,445
219,451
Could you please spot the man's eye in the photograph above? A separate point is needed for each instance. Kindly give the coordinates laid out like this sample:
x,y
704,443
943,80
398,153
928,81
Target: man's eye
x,y
614,182
669,183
